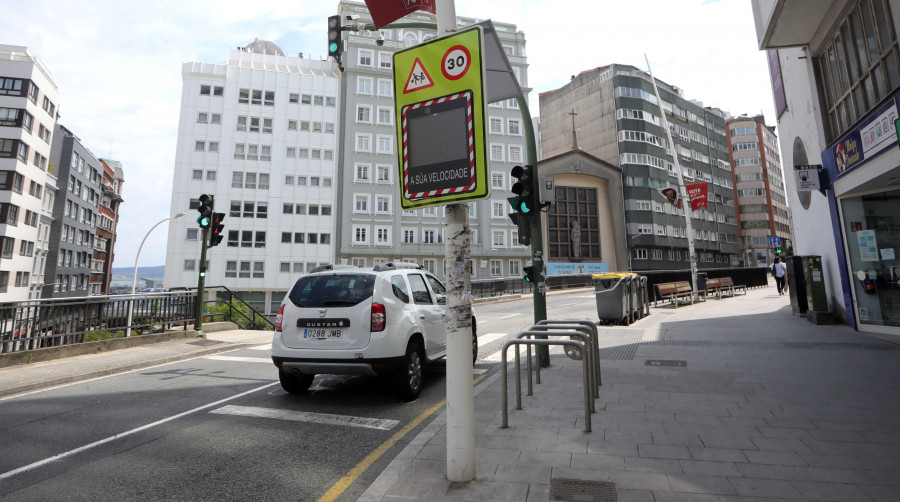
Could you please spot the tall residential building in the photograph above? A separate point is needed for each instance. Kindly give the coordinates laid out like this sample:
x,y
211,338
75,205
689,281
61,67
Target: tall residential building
x,y
259,133
108,219
28,114
759,185
612,113
75,215
835,73
373,229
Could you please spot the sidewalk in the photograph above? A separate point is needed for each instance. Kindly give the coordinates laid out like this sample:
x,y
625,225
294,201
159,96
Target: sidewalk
x,y
726,400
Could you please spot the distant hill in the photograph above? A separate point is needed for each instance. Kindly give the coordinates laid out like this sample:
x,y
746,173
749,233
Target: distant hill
x,y
143,272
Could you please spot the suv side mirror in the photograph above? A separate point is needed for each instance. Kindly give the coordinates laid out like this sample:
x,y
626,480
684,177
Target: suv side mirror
x,y
441,299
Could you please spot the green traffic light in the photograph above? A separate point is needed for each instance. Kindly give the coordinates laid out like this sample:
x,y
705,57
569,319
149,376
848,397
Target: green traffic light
x,y
332,47
203,221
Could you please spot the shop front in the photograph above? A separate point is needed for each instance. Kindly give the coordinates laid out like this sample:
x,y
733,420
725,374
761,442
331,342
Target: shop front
x,y
864,164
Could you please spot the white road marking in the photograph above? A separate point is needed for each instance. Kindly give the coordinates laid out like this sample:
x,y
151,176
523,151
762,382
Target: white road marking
x,y
239,359
479,371
267,346
307,416
489,337
510,355
110,439
508,316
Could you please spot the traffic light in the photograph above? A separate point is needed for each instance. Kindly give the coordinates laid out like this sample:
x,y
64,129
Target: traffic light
x,y
529,274
205,209
524,189
202,272
335,46
524,203
217,227
778,251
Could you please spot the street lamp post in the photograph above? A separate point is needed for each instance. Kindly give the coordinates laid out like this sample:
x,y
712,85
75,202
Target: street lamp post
x,y
134,278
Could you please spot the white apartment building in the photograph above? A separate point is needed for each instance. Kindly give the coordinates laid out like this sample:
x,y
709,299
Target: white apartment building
x,y
28,114
259,133
373,228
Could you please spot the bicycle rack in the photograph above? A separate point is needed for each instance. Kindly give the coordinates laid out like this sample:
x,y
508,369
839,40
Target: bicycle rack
x,y
591,328
588,396
575,331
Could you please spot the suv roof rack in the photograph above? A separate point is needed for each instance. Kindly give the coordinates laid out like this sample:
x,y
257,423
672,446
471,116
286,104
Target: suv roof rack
x,y
395,265
331,266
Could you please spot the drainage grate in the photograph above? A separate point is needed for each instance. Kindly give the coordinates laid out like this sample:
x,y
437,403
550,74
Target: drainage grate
x,y
666,362
579,490
205,342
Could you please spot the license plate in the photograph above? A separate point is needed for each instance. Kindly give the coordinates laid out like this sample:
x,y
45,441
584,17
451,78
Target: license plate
x,y
322,333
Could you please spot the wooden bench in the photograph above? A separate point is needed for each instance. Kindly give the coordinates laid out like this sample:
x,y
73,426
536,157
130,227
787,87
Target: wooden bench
x,y
726,284
714,286
672,291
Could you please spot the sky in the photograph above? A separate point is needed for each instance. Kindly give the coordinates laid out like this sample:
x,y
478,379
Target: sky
x,y
117,66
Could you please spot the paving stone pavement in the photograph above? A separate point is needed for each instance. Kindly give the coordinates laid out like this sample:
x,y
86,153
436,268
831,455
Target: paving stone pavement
x,y
757,405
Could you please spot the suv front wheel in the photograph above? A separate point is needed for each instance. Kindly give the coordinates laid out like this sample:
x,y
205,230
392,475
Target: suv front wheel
x,y
408,379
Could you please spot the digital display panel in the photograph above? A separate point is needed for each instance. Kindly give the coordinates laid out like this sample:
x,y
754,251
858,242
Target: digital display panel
x,y
437,146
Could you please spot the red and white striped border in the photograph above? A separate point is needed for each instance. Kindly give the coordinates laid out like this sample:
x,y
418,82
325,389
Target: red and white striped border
x,y
461,189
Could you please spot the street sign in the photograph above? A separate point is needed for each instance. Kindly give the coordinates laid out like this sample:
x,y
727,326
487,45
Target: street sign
x,y
774,242
439,99
808,177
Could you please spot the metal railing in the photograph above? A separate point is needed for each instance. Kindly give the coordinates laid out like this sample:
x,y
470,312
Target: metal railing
x,y
34,324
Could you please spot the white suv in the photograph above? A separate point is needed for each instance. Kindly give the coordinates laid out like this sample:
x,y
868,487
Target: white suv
x,y
346,320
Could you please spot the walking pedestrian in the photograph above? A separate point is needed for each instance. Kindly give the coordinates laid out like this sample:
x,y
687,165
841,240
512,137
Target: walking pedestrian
x,y
779,270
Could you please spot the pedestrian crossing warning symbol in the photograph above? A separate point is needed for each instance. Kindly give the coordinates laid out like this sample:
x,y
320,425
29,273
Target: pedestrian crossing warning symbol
x,y
418,78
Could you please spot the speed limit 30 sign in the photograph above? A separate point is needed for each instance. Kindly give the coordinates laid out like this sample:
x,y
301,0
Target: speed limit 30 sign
x,y
456,62
440,112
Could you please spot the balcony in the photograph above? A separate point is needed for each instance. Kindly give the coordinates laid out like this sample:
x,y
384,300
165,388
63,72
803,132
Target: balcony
x,y
791,23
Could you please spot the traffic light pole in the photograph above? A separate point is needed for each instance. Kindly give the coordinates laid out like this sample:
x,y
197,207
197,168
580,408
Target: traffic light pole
x,y
201,282
537,240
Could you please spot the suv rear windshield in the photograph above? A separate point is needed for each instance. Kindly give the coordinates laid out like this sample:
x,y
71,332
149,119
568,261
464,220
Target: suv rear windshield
x,y
332,290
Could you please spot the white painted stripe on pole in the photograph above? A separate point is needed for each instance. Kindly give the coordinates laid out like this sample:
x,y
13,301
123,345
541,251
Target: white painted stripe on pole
x,y
110,439
240,359
267,346
308,416
489,337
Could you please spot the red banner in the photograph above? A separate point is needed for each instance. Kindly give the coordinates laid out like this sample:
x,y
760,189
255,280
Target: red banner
x,y
387,11
699,194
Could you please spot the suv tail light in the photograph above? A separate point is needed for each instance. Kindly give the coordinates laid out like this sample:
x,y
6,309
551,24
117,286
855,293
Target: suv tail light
x,y
379,317
279,318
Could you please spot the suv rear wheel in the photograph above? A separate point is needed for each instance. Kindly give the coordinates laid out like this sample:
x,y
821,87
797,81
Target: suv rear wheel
x,y
294,383
408,379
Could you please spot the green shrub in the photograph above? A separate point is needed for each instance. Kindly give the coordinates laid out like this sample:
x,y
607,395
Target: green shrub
x,y
239,314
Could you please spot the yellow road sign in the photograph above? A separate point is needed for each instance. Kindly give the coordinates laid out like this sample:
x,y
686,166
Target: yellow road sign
x,y
439,100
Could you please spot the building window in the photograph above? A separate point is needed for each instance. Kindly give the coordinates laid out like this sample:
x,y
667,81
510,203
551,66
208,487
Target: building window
x,y
365,58
498,239
572,223
364,113
363,142
859,66
360,234
385,144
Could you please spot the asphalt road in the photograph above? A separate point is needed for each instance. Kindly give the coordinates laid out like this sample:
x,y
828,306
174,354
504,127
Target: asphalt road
x,y
220,427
